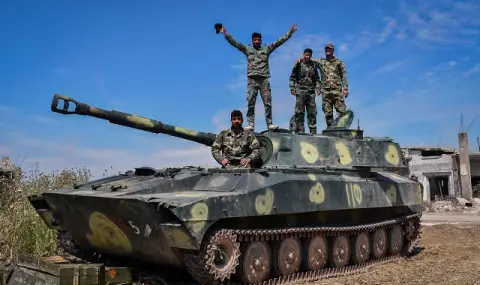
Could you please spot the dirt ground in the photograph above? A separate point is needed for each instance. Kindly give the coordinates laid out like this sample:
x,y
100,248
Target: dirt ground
x,y
450,254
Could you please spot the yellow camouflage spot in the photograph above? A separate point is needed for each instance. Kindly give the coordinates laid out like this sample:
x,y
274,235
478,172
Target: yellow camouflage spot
x,y
419,194
106,234
199,215
343,153
276,145
140,121
264,203
317,194
309,152
392,155
93,110
178,237
185,131
343,121
392,194
312,177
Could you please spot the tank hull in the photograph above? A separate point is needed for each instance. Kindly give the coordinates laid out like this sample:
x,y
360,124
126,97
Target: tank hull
x,y
157,219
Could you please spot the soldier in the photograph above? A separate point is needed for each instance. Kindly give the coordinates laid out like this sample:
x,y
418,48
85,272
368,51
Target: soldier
x,y
236,146
258,73
333,78
304,81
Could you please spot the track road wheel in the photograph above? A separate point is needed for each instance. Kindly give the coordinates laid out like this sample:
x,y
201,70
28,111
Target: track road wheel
x,y
287,256
340,251
379,243
395,240
360,248
255,262
223,254
316,253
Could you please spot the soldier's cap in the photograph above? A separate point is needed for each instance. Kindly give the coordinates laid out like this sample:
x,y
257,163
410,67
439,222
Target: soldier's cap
x,y
329,46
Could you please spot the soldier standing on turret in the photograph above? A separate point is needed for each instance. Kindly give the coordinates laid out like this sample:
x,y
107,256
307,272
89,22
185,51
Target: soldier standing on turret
x,y
333,78
304,81
258,73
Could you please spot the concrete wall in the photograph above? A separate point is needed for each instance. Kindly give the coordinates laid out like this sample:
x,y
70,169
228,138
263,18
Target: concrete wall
x,y
475,168
425,167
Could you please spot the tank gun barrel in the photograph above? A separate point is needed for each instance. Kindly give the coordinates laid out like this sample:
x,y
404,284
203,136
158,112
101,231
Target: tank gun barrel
x,y
129,120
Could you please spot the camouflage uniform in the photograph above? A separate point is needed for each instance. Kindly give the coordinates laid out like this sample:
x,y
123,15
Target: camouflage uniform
x,y
258,76
333,76
234,147
304,80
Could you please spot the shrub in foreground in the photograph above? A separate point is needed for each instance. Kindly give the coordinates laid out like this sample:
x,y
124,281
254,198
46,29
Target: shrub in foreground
x,y
21,229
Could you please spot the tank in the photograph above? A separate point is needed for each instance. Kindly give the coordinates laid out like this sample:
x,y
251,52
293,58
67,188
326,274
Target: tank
x,y
313,206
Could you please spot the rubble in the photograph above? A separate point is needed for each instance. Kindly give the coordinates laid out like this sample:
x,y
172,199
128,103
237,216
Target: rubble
x,y
455,205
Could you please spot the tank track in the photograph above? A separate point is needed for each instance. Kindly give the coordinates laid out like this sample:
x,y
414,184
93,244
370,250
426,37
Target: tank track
x,y
201,265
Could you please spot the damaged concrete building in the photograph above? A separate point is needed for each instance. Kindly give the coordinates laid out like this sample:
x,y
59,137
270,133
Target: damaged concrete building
x,y
437,168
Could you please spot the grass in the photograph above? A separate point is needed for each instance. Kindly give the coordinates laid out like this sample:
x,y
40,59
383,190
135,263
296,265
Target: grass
x,y
21,229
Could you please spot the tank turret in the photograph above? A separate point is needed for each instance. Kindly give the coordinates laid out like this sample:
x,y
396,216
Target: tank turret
x,y
338,147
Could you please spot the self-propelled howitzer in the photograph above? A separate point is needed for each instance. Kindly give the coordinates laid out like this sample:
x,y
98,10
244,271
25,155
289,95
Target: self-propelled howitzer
x,y
315,205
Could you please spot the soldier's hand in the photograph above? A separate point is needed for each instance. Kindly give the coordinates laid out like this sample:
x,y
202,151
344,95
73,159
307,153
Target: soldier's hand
x,y
225,162
293,92
293,28
319,92
299,60
223,31
245,161
345,92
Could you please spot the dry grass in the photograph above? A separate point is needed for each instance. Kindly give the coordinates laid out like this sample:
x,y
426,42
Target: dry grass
x,y
22,230
450,255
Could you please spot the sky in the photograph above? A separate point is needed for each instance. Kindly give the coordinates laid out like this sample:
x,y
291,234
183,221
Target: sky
x,y
413,69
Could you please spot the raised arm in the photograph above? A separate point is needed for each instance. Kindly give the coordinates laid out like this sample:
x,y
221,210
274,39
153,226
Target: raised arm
x,y
343,72
241,47
217,148
273,46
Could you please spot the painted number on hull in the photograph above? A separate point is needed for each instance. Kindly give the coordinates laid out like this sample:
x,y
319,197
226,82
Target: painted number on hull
x,y
354,195
148,229
135,228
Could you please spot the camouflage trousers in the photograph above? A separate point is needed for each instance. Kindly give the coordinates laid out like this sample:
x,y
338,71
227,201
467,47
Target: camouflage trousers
x,y
331,99
261,84
304,100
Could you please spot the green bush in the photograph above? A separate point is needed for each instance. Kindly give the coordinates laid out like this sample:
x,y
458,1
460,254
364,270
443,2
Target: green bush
x,y
21,229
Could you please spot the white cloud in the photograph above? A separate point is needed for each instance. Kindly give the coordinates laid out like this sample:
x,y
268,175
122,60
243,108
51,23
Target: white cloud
x,y
473,70
391,66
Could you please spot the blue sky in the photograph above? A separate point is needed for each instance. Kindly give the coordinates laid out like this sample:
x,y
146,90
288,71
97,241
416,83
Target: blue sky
x,y
413,67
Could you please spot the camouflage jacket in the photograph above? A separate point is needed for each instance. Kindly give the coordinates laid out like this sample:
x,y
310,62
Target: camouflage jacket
x,y
333,73
304,77
228,145
257,59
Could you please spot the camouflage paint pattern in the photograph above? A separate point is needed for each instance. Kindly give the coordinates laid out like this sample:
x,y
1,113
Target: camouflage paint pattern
x,y
257,58
261,84
305,81
333,77
234,147
305,180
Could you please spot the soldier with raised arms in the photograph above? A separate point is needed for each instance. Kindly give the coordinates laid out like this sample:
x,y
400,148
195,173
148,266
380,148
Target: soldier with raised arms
x,y
258,72
236,147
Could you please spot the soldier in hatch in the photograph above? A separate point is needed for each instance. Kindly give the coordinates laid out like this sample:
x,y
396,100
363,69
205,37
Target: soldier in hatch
x,y
258,73
236,146
304,81
334,83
